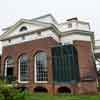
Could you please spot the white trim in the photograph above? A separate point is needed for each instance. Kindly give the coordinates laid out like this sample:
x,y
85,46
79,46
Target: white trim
x,y
23,81
96,51
72,37
35,70
19,70
30,37
5,67
41,81
18,23
45,16
5,71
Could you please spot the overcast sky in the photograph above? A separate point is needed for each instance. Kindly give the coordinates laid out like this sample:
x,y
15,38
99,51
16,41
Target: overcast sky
x,y
86,10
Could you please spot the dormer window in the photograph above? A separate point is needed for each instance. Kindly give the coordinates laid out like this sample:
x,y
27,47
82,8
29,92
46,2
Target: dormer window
x,y
23,37
23,28
39,33
9,40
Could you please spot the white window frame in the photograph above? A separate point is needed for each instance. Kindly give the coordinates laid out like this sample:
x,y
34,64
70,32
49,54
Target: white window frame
x,y
5,69
35,73
19,76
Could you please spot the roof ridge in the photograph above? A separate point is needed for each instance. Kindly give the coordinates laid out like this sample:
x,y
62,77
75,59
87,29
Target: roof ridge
x,y
49,14
44,16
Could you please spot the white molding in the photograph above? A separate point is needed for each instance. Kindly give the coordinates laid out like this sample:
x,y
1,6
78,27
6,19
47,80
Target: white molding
x,y
23,81
30,37
44,17
41,81
97,50
19,70
5,71
72,37
35,69
25,21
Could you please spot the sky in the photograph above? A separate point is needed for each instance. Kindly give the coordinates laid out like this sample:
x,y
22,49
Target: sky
x,y
86,10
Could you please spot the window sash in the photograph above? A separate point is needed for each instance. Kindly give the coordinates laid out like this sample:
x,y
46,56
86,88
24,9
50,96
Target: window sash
x,y
41,70
23,68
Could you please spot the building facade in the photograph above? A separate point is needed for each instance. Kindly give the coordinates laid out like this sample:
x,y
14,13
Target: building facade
x,y
45,56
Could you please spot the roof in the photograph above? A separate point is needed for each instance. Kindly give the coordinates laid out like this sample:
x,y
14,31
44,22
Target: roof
x,y
38,20
47,21
44,17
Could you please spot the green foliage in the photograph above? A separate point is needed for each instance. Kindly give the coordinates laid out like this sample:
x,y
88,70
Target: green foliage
x,y
98,85
2,97
8,92
40,96
25,95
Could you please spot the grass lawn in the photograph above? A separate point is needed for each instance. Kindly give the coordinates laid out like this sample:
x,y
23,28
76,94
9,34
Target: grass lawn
x,y
64,97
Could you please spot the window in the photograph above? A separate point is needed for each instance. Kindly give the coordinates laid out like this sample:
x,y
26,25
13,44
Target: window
x,y
8,73
65,64
41,70
39,33
9,40
23,28
23,68
23,37
69,25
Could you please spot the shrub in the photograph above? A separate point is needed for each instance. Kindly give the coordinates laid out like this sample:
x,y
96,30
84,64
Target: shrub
x,y
7,91
98,85
25,95
2,97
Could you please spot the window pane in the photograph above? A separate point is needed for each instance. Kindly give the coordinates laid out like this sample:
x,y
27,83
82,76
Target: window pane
x,y
65,64
9,64
23,68
24,28
41,67
9,61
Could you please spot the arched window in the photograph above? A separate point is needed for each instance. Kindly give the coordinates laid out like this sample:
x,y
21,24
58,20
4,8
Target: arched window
x,y
41,70
23,68
23,28
9,65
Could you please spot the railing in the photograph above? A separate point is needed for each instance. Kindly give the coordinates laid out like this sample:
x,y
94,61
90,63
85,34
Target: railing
x,y
76,25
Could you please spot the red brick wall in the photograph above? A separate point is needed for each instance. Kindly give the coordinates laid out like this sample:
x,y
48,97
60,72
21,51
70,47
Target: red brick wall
x,y
0,65
29,48
87,67
87,87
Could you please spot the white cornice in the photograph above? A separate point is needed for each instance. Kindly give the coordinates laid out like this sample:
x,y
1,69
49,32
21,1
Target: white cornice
x,y
24,33
56,27
45,16
45,25
75,31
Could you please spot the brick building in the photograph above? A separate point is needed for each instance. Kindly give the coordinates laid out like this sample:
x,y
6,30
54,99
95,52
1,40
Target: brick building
x,y
45,56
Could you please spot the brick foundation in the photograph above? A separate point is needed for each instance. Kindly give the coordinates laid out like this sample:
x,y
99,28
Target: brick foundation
x,y
87,87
